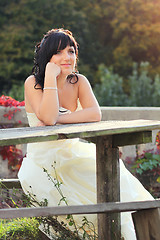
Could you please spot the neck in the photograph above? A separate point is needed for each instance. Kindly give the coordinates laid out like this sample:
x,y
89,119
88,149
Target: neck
x,y
61,81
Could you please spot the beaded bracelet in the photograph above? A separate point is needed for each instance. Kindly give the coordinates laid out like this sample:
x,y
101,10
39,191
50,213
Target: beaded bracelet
x,y
50,88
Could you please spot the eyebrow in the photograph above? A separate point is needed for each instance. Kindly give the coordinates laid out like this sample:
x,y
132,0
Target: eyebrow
x,y
71,47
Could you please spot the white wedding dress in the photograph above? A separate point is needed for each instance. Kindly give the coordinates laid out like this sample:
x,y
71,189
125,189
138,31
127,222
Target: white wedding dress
x,y
73,163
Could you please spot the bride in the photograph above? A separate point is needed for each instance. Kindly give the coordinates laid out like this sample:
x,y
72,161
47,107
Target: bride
x,y
52,95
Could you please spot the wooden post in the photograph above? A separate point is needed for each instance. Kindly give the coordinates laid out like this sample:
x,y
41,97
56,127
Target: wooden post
x,y
108,187
147,224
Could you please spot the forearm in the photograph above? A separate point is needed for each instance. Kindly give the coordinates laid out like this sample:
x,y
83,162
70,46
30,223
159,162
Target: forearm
x,y
92,114
49,107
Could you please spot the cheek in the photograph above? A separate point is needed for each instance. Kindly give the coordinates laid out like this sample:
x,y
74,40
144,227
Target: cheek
x,y
74,61
53,59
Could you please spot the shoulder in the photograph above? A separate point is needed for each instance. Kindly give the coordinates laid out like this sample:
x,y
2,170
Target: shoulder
x,y
82,80
83,83
30,82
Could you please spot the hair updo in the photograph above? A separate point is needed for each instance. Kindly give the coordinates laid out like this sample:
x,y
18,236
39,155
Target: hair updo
x,y
53,41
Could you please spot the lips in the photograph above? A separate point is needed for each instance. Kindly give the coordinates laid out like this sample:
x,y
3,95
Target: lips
x,y
66,65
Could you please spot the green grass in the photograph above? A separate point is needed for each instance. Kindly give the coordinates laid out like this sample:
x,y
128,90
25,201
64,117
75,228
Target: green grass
x,y
16,229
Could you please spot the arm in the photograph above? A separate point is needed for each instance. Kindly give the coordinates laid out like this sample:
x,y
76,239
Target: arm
x,y
38,101
90,109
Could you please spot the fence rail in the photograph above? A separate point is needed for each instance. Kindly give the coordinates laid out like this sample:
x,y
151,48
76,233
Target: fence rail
x,y
107,136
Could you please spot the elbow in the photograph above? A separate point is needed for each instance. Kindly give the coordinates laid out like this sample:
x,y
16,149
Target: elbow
x,y
49,121
49,118
97,116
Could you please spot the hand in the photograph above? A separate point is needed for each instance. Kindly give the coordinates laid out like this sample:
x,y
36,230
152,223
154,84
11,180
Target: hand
x,y
52,70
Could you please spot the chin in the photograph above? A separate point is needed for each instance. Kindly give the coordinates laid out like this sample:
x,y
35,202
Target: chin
x,y
67,72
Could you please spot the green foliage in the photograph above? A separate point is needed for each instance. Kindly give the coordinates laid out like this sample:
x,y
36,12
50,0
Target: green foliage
x,y
144,91
156,91
24,228
136,32
16,92
110,91
141,87
23,24
147,169
85,231
148,162
113,33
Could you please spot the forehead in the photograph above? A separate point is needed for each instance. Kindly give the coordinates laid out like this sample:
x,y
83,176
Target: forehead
x,y
64,41
68,47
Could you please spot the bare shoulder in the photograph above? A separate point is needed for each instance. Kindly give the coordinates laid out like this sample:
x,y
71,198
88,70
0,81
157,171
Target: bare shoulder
x,y
82,80
30,81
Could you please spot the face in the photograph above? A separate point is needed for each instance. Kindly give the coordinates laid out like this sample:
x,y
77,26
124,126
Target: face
x,y
65,59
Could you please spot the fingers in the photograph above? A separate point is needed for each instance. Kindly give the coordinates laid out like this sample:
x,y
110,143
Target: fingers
x,y
53,69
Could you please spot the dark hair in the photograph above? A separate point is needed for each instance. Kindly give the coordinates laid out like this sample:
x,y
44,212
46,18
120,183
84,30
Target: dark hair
x,y
54,40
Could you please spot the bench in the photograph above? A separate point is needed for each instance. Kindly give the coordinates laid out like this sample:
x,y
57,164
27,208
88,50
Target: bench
x,y
108,136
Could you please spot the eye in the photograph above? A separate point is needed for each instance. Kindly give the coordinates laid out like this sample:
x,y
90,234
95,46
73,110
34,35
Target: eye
x,y
72,51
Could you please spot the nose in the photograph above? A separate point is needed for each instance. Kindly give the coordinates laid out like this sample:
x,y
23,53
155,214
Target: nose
x,y
66,56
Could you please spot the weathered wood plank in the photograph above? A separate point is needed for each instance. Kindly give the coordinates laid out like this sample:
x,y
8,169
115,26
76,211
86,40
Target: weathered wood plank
x,y
132,138
110,207
105,128
10,183
12,136
83,130
147,224
108,187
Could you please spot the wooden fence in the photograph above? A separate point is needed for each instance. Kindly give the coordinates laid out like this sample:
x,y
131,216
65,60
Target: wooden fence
x,y
107,136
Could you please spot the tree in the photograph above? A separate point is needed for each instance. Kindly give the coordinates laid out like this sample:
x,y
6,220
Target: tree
x,y
116,33
26,22
136,32
144,91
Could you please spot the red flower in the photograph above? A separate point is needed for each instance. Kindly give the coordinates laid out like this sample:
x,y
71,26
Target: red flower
x,y
8,101
11,153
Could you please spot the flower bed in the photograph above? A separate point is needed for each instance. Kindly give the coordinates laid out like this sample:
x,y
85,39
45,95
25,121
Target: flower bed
x,y
12,154
146,167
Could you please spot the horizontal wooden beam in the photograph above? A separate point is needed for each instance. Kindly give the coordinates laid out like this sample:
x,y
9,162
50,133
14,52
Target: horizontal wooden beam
x,y
14,136
10,183
132,138
80,209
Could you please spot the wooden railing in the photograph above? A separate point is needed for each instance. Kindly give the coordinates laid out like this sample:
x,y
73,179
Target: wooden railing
x,y
107,136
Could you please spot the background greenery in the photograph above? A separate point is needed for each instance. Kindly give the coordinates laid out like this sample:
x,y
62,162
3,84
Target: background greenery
x,y
116,39
18,229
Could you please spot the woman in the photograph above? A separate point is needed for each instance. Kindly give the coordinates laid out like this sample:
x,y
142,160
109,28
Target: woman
x,y
52,95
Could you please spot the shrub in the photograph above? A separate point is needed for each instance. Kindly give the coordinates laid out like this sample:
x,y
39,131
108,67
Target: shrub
x,y
110,91
143,90
16,229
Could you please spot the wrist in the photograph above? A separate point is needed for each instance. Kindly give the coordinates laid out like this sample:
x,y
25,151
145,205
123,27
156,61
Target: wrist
x,y
50,88
50,81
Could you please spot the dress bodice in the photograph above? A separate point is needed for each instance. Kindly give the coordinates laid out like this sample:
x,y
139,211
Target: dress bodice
x,y
33,120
